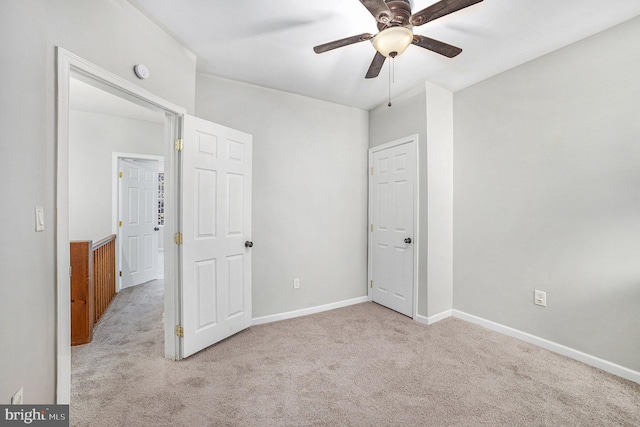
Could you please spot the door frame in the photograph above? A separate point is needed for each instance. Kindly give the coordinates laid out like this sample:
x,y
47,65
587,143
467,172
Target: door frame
x,y
416,218
69,65
116,158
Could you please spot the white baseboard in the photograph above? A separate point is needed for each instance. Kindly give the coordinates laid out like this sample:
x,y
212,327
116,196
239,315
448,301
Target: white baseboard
x,y
306,311
606,366
435,318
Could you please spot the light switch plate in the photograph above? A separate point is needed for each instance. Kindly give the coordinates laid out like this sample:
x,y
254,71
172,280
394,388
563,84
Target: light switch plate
x,y
39,218
540,298
18,398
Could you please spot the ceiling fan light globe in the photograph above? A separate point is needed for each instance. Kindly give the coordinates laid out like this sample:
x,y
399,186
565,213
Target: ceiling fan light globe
x,y
392,41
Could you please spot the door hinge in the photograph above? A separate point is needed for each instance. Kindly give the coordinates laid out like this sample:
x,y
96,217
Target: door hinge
x,y
372,228
120,174
177,238
371,284
179,144
371,170
121,274
180,331
119,223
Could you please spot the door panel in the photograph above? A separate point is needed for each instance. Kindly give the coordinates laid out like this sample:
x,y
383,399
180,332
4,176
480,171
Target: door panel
x,y
206,284
206,204
392,213
216,212
235,264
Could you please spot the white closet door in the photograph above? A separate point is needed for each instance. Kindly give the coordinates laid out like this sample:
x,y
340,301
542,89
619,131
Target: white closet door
x,y
392,213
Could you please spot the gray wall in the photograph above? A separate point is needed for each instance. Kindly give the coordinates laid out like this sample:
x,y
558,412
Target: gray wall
x,y
93,139
309,192
115,36
439,215
547,196
426,110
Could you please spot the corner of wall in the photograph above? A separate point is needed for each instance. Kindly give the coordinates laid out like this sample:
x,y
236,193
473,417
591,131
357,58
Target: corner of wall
x,y
439,145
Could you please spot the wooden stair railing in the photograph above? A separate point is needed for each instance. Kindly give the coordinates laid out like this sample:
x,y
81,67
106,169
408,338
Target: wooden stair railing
x,y
104,281
93,284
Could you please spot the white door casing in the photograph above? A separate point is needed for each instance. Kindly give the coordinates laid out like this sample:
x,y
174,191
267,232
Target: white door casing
x,y
216,223
393,213
138,234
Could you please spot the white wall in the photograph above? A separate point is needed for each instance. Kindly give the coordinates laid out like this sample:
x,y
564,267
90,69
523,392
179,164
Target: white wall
x,y
93,138
115,36
309,192
426,110
546,184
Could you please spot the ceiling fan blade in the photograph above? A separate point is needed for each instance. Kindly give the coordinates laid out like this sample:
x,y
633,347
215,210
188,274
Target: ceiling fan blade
x,y
379,10
376,66
436,46
440,9
342,42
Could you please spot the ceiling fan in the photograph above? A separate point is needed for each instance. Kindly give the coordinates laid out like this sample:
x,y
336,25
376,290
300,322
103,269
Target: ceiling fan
x,y
395,25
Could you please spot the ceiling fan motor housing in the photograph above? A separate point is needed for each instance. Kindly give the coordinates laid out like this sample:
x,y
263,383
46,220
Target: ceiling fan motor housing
x,y
400,14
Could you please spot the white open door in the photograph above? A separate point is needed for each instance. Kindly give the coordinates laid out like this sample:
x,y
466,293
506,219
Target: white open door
x,y
392,210
216,233
138,227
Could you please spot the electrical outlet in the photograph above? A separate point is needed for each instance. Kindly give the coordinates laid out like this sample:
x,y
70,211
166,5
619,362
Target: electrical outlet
x,y
540,298
296,283
18,398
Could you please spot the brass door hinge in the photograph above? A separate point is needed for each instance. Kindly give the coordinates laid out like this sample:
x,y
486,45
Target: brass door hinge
x,y
372,228
177,238
180,331
179,144
120,174
371,170
119,223
371,284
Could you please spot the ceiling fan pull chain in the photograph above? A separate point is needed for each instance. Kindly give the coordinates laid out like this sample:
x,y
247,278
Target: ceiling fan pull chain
x,y
390,73
393,69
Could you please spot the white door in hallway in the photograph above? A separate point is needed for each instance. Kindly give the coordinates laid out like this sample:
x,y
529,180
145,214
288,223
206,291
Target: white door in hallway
x,y
216,233
392,210
138,235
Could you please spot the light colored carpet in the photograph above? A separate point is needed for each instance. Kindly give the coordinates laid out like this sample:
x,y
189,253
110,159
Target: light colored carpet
x,y
362,365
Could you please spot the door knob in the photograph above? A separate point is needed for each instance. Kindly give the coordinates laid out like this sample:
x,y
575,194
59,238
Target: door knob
x,y
248,244
155,229
407,240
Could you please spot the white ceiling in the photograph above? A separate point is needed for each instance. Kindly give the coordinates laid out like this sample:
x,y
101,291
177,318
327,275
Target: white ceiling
x,y
270,42
88,98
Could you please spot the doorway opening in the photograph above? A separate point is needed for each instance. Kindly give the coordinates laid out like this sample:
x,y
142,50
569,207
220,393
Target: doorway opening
x,y
138,215
69,68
